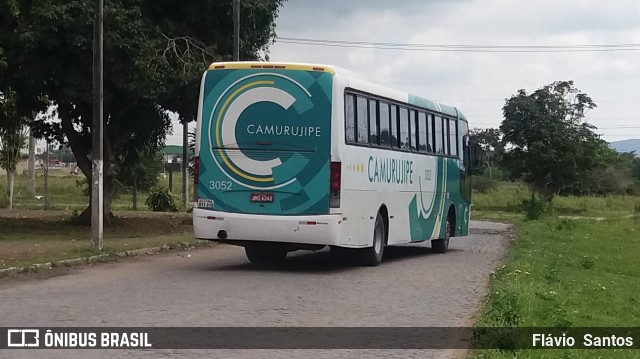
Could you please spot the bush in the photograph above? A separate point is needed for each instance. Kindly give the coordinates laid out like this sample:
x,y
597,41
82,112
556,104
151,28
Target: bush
x,y
534,208
634,190
161,200
495,173
483,184
83,184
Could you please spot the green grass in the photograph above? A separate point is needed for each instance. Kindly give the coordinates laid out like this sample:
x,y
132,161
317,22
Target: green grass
x,y
28,237
507,198
65,194
564,272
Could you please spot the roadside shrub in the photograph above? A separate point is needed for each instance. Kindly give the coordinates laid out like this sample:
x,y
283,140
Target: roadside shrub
x,y
161,200
567,224
483,184
495,173
83,184
534,208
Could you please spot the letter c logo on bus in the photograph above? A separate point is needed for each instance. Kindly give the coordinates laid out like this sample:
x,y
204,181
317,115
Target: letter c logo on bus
x,y
256,127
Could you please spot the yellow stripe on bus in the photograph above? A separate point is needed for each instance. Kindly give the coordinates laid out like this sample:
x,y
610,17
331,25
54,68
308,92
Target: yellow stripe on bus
x,y
270,66
219,139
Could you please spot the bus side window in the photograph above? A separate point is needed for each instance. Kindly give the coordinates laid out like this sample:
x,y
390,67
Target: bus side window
x,y
405,140
445,133
384,124
453,137
422,132
437,136
350,117
362,115
430,132
413,124
395,135
373,122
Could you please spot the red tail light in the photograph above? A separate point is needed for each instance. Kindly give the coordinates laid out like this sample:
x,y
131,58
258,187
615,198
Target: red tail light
x,y
196,170
335,183
336,176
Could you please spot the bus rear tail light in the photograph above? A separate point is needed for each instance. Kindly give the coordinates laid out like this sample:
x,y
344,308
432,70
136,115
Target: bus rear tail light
x,y
196,170
335,182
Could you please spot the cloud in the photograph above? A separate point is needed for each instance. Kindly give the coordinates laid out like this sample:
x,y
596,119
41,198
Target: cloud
x,y
478,82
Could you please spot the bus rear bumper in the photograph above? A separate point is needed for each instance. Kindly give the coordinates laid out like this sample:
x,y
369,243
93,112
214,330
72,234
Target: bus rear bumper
x,y
235,228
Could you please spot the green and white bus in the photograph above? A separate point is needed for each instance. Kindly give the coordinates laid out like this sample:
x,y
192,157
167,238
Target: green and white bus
x,y
301,156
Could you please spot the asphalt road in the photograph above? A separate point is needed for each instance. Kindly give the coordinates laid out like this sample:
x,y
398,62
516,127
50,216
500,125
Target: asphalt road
x,y
217,287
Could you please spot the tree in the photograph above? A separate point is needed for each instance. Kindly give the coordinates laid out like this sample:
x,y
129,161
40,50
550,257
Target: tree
x,y
12,139
155,53
612,174
490,140
548,144
138,171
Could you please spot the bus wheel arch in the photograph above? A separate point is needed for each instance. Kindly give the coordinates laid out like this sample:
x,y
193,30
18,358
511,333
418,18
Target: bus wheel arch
x,y
451,217
384,212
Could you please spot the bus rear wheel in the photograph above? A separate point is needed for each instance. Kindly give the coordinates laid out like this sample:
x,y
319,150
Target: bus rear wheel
x,y
442,245
263,255
372,256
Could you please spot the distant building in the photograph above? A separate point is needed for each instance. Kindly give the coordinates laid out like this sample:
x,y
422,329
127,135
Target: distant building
x,y
172,154
172,157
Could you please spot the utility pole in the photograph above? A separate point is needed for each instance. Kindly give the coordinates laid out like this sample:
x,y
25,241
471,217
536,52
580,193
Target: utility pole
x,y
236,30
97,184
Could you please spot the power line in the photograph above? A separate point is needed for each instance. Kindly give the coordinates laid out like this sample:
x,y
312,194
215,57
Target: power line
x,y
597,127
461,48
504,100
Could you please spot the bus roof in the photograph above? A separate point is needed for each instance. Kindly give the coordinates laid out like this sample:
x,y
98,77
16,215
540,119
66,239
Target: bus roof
x,y
333,70
272,65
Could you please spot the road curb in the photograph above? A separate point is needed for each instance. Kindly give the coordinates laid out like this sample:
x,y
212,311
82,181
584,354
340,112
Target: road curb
x,y
100,258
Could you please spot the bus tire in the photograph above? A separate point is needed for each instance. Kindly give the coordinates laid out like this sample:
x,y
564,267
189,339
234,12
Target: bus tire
x,y
262,255
442,245
372,256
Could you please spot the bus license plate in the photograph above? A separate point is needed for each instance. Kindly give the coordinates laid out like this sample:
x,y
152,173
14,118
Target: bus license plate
x,y
262,197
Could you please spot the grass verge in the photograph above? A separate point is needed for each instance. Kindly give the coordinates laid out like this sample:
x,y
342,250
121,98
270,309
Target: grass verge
x,y
567,273
507,198
31,237
66,194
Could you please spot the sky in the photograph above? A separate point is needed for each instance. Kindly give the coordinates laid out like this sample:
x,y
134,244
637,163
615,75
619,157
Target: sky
x,y
479,79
